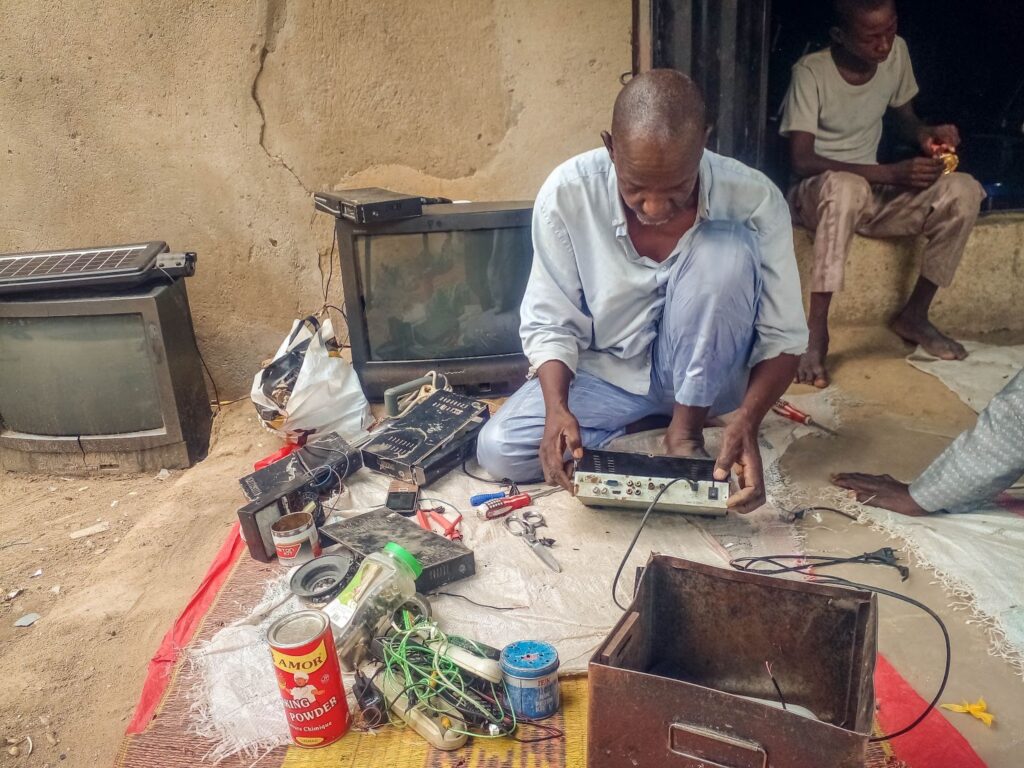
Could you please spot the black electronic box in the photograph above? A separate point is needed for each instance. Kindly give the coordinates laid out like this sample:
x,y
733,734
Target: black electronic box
x,y
429,441
368,205
443,561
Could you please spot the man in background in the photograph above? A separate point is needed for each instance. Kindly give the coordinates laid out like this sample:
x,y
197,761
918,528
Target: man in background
x,y
979,465
833,118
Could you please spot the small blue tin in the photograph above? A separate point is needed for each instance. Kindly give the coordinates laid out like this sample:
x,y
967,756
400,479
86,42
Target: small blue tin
x,y
530,669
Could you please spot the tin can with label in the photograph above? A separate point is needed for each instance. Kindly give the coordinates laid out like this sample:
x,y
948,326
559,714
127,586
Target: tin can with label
x,y
530,670
308,675
295,538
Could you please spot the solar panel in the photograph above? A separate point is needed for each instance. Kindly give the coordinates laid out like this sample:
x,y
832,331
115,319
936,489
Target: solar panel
x,y
111,265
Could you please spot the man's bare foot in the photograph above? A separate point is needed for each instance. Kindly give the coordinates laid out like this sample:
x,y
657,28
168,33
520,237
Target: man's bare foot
x,y
882,491
812,368
687,446
916,330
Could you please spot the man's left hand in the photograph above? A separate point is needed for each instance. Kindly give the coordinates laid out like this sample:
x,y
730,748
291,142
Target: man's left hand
x,y
936,139
741,453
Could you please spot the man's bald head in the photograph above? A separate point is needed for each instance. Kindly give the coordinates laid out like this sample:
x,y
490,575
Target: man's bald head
x,y
662,105
659,127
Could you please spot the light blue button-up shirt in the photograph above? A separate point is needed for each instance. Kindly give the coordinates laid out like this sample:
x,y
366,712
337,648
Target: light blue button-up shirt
x,y
594,303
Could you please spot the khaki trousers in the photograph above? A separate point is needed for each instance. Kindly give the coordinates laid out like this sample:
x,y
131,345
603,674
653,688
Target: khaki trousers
x,y
836,204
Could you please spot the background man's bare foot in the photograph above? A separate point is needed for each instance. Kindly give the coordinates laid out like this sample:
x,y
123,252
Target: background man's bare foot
x,y
690,447
812,367
935,342
882,491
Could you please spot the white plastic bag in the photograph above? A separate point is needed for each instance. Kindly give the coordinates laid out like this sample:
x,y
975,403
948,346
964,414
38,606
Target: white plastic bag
x,y
307,391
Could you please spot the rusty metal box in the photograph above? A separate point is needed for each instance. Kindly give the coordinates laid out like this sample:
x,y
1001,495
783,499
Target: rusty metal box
x,y
681,681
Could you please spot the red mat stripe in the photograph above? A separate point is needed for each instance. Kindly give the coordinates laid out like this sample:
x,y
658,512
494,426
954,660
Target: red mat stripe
x,y
182,631
934,743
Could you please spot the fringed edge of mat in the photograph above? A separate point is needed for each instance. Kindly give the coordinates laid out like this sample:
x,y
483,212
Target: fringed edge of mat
x,y
952,585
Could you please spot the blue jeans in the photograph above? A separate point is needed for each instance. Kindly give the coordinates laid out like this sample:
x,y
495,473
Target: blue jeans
x,y
700,357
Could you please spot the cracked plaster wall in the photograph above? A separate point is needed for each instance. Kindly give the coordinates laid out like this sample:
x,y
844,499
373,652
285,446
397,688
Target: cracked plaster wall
x,y
208,125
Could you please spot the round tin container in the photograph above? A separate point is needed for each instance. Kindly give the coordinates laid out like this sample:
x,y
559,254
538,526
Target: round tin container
x,y
302,646
530,669
295,538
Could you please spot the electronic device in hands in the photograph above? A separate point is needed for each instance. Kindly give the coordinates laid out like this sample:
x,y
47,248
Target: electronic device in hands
x,y
633,480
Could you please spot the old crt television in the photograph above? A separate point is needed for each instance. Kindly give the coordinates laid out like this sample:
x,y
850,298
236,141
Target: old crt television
x,y
436,291
99,367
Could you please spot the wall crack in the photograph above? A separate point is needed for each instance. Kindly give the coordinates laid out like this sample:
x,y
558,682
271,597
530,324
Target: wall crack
x,y
274,19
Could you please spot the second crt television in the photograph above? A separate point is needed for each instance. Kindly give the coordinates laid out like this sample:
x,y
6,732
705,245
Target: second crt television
x,y
439,291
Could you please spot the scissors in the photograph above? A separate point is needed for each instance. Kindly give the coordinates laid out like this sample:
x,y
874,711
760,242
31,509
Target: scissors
x,y
525,524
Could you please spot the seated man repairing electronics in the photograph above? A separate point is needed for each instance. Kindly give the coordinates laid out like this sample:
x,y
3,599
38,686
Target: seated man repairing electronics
x,y
664,282
833,118
979,465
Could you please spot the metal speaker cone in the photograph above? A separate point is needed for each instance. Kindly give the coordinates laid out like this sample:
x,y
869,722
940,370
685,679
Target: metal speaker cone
x,y
321,578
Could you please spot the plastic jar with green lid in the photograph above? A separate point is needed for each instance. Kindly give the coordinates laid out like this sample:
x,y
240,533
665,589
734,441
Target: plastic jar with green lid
x,y
384,582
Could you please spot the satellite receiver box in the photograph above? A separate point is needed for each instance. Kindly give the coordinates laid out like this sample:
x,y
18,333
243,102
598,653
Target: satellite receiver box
x,y
443,561
368,205
429,441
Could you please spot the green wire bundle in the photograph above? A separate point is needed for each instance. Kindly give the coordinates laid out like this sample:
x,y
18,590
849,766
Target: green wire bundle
x,y
432,680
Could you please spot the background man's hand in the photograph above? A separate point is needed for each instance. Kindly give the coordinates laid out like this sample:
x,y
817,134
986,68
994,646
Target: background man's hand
x,y
741,453
918,172
936,139
561,434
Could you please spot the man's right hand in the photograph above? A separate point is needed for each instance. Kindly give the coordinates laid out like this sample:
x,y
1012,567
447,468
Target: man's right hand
x,y
561,434
918,172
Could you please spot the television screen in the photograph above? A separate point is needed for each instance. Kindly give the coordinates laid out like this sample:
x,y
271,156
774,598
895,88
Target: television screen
x,y
444,294
70,376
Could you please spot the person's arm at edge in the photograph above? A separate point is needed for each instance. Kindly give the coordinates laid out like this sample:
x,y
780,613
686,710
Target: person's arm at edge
x,y
740,451
561,429
917,172
555,327
932,139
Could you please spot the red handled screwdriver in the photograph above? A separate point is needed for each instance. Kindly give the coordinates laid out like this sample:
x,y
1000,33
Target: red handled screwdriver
x,y
501,507
788,411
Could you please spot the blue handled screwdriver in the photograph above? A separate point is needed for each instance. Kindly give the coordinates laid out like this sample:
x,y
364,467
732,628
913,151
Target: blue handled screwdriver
x,y
480,498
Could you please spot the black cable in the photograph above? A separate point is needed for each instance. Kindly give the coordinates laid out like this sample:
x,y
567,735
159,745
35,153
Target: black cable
x,y
481,605
330,274
503,481
746,564
837,581
885,556
800,513
778,688
216,392
346,343
629,550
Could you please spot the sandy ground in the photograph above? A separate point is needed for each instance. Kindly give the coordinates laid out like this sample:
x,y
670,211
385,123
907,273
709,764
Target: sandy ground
x,y
77,673
82,664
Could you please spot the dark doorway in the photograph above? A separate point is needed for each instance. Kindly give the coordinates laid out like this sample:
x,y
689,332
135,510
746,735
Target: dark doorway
x,y
968,59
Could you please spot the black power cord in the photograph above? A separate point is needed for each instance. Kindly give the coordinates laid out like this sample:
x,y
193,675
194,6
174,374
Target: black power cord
x,y
629,549
885,556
